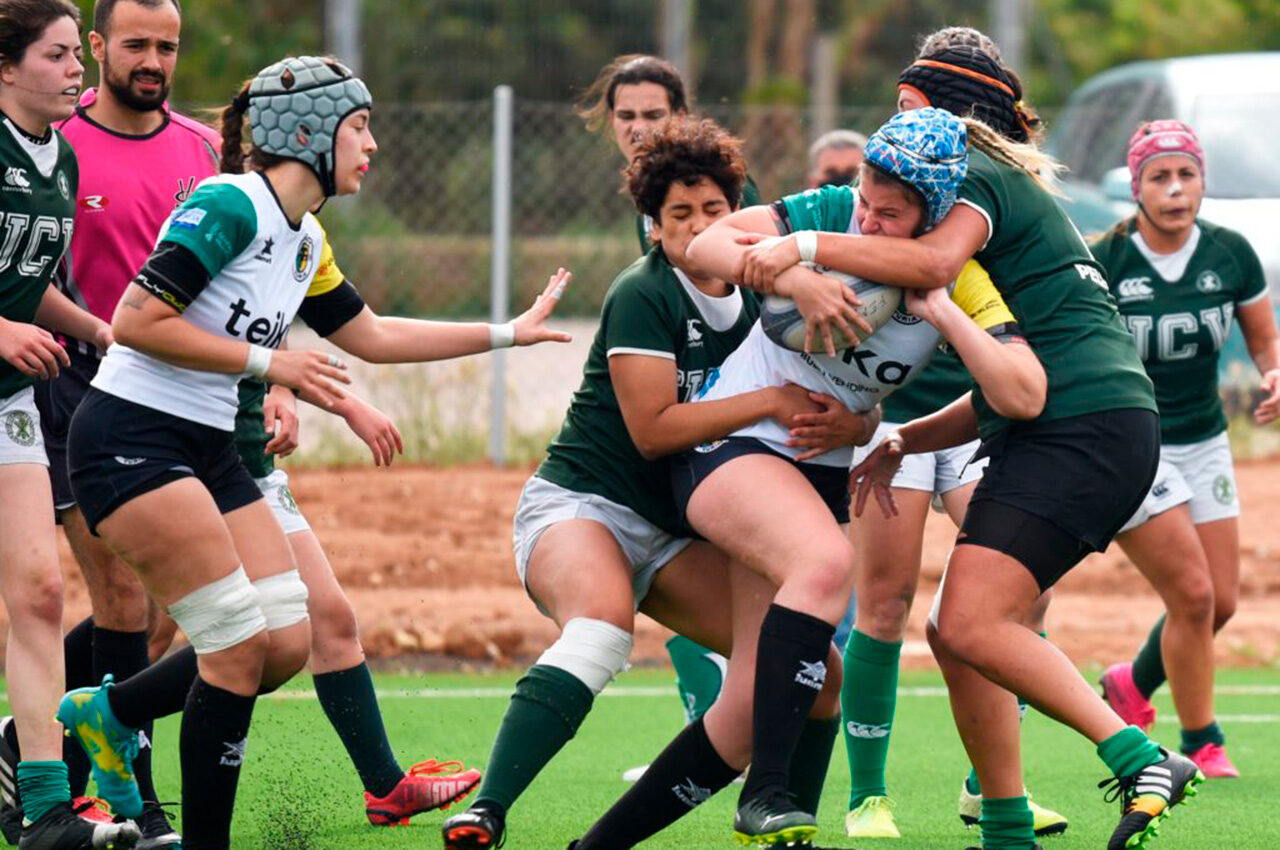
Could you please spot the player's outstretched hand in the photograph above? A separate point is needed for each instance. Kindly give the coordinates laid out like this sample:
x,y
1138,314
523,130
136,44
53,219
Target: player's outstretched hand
x,y
927,303
377,430
31,350
311,373
531,325
1269,407
765,259
280,419
833,427
875,475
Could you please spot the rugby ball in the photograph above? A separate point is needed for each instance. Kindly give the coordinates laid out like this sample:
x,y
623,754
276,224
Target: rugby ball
x,y
782,323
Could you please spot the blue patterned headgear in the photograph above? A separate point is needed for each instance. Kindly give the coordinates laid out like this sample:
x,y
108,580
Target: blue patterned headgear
x,y
928,150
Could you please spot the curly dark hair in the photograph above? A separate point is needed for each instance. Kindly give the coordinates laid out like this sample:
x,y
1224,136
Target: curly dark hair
x,y
685,150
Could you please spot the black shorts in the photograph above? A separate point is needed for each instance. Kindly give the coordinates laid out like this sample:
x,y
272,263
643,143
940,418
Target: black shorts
x,y
57,401
118,450
689,469
1056,491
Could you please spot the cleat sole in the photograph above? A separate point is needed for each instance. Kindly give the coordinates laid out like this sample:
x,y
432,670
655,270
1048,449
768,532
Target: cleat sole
x,y
796,836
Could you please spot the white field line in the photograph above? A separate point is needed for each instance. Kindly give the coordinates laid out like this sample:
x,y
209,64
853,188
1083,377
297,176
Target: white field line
x,y
634,692
630,691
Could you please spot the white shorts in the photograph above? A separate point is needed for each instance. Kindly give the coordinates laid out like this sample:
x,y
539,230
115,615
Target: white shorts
x,y
933,472
275,489
1200,473
543,504
22,441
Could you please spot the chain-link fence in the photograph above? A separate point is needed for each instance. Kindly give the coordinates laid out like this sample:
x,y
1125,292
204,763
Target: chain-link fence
x,y
417,239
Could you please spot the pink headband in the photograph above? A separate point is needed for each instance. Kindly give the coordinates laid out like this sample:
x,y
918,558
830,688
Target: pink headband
x,y
1160,138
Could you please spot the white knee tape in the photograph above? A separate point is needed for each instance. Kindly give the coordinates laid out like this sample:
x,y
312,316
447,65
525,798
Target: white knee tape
x,y
221,614
283,598
592,650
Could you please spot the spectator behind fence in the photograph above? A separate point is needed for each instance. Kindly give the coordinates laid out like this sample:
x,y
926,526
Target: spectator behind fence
x,y
834,158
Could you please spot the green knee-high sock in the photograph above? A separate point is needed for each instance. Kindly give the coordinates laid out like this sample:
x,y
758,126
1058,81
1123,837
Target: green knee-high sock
x,y
43,785
868,698
1128,751
810,761
1148,664
971,783
699,675
1007,824
546,710
350,703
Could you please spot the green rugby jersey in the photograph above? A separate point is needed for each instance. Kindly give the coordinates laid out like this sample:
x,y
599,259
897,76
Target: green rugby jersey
x,y
1059,294
38,183
1180,325
941,382
750,198
649,309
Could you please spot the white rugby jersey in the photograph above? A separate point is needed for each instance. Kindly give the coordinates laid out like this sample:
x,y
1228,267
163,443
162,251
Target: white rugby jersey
x,y
859,377
260,265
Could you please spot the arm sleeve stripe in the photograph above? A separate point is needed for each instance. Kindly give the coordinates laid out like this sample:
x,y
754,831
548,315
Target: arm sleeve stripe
x,y
781,217
644,352
173,274
1246,302
985,214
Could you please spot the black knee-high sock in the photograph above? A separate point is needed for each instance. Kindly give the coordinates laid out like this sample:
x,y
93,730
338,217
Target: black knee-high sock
x,y
810,761
215,728
124,655
158,691
688,772
790,669
349,702
77,651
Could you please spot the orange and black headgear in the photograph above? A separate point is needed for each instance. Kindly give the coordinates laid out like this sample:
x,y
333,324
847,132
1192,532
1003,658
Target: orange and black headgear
x,y
966,81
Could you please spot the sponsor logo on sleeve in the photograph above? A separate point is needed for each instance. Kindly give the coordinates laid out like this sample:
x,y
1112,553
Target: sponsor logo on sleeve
x,y
190,219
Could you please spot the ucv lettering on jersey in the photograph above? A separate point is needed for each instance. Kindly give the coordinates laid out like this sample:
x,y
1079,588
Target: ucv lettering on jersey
x,y
1178,336
259,331
39,244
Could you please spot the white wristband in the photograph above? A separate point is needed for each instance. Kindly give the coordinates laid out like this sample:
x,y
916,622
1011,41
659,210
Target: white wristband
x,y
259,361
502,336
807,244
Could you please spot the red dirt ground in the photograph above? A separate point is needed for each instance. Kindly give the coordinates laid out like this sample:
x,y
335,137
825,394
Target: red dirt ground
x,y
425,555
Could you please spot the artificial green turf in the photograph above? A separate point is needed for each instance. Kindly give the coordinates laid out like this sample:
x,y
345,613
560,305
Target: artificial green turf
x,y
299,792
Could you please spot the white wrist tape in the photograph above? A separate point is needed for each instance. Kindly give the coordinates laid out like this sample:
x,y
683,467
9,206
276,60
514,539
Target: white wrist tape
x,y
502,336
807,244
259,360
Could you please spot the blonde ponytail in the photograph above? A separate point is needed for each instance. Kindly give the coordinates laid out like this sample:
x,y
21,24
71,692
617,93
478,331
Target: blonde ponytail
x,y
1043,168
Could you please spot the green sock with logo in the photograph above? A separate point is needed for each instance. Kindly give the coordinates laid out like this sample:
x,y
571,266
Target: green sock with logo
x,y
1007,824
699,675
868,698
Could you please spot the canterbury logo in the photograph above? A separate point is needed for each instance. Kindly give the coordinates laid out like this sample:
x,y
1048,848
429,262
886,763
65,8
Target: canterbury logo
x,y
868,730
1135,289
234,754
129,461
812,674
691,793
14,176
